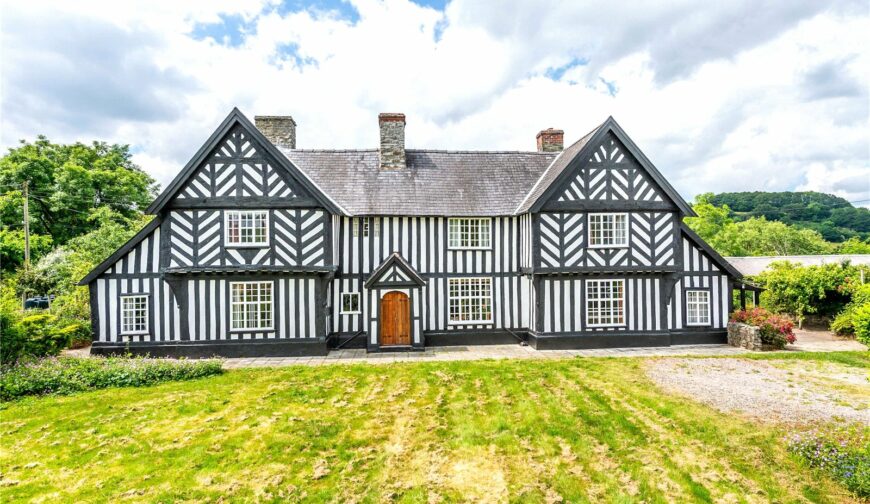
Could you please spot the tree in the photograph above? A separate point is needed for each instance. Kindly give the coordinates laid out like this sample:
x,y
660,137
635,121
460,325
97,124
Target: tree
x,y
66,182
711,219
761,237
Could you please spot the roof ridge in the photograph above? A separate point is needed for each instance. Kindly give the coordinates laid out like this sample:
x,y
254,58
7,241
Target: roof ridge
x,y
439,151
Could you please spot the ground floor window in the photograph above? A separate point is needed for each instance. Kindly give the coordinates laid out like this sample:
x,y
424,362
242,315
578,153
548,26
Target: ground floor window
x,y
698,307
250,305
134,314
350,303
605,303
470,300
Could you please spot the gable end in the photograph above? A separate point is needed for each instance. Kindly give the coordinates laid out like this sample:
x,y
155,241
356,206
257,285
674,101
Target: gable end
x,y
609,171
237,166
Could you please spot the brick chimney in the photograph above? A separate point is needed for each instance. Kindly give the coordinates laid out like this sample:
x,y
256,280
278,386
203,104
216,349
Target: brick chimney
x,y
280,130
392,152
550,140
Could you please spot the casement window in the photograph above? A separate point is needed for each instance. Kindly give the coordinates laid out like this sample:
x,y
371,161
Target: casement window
x,y
470,300
605,303
250,306
608,230
469,233
350,303
697,307
134,314
367,226
246,228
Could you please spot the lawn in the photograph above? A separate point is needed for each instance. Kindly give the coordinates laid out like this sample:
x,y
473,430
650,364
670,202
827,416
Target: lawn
x,y
581,430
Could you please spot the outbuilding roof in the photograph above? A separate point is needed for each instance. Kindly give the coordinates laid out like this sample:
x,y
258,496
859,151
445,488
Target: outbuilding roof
x,y
435,182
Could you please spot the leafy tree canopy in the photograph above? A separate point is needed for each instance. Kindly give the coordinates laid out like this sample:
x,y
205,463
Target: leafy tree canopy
x,y
833,217
754,237
67,183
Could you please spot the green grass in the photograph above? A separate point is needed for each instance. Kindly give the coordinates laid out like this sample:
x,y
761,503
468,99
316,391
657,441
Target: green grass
x,y
588,430
854,359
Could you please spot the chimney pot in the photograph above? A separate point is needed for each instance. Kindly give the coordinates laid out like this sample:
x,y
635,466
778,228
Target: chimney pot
x,y
392,151
280,130
550,140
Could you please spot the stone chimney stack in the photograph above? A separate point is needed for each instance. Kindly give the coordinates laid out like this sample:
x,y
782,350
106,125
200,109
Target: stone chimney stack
x,y
551,140
392,152
280,130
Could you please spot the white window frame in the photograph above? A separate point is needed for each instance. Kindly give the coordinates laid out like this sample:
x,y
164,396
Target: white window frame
x,y
621,301
259,244
233,303
455,233
358,306
367,224
699,305
603,215
124,309
451,298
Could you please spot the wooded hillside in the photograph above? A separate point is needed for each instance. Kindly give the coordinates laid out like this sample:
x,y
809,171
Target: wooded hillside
x,y
833,217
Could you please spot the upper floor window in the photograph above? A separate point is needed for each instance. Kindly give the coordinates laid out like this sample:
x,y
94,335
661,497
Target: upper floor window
x,y
608,230
468,233
134,314
367,226
605,303
698,307
247,228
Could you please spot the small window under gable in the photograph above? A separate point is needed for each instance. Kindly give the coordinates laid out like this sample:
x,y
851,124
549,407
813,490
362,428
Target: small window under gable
x,y
246,228
608,230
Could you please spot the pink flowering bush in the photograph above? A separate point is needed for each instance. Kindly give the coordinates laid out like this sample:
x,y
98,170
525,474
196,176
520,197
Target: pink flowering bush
x,y
775,330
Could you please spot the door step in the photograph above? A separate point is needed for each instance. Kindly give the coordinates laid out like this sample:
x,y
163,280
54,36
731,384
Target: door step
x,y
399,348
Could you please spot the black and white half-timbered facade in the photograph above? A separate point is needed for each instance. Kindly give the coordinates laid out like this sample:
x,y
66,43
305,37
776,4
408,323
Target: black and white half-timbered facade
x,y
260,248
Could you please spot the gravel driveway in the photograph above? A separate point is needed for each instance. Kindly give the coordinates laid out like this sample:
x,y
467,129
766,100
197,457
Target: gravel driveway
x,y
779,391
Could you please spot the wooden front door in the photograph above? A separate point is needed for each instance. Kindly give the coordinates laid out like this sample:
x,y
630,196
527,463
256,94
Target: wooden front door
x,y
395,319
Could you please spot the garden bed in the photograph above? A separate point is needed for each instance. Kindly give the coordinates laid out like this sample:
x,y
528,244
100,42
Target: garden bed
x,y
65,375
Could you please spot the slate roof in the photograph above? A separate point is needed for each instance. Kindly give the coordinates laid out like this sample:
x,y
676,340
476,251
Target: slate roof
x,y
435,182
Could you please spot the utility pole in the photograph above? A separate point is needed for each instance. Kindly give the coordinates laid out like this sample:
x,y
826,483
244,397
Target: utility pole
x,y
26,227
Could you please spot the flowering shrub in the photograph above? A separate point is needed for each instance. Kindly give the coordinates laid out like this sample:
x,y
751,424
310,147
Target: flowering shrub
x,y
775,330
844,455
65,375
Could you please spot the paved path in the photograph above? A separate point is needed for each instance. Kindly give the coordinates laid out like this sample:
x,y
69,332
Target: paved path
x,y
456,353
808,341
813,340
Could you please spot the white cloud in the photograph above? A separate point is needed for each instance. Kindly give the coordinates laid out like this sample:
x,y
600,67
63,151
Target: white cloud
x,y
731,97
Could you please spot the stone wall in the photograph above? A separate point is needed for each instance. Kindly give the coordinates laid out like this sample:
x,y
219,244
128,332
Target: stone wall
x,y
745,336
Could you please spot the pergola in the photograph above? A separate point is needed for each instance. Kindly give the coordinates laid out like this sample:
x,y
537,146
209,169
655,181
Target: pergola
x,y
754,289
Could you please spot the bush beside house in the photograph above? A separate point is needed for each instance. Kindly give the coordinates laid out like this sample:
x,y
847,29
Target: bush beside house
x,y
66,375
758,329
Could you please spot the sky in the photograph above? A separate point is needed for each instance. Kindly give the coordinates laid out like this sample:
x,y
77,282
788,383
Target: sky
x,y
721,96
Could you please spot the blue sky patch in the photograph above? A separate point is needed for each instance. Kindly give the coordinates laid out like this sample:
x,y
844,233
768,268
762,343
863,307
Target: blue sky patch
x,y
343,8
556,73
611,86
230,31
